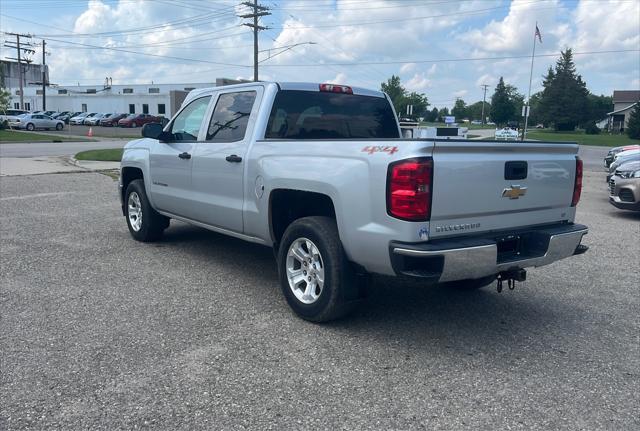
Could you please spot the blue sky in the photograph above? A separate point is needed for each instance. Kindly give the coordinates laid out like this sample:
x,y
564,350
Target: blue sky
x,y
444,49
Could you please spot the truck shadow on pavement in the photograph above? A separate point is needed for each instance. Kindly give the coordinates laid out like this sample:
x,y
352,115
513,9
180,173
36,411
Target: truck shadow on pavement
x,y
396,310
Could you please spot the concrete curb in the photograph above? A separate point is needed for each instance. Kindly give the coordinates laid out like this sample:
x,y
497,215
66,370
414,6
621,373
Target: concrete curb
x,y
92,165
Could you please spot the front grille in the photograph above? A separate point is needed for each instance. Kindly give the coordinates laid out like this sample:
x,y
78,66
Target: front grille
x,y
612,186
626,195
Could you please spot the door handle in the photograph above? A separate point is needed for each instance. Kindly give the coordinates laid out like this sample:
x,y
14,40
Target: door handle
x,y
184,155
233,158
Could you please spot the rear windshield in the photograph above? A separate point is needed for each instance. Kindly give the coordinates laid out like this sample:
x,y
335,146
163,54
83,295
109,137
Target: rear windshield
x,y
318,115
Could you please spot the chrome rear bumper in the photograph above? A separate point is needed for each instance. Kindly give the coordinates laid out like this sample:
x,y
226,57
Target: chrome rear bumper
x,y
477,257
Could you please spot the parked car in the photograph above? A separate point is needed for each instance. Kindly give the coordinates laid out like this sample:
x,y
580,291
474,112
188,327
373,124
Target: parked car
x,y
66,117
622,158
36,121
624,186
608,159
78,119
136,120
88,118
11,114
58,114
111,120
329,183
95,120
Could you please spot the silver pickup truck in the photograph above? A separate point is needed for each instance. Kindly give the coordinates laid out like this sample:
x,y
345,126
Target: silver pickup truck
x,y
319,172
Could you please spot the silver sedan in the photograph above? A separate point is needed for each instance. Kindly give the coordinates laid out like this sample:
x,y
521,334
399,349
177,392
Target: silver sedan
x,y
36,121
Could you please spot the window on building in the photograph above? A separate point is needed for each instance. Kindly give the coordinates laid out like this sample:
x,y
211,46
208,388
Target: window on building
x,y
145,108
189,88
161,109
38,92
17,92
132,108
84,107
127,91
27,106
154,90
91,90
16,105
64,91
186,126
230,117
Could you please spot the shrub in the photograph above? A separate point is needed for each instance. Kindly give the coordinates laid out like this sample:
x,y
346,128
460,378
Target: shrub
x,y
591,129
4,124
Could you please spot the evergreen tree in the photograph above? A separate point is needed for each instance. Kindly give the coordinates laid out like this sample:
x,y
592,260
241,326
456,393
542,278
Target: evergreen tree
x,y
564,101
633,127
503,107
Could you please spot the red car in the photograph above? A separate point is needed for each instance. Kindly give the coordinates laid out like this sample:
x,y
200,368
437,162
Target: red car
x,y
137,120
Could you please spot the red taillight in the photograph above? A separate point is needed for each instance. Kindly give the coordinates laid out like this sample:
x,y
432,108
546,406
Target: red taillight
x,y
409,184
332,88
577,186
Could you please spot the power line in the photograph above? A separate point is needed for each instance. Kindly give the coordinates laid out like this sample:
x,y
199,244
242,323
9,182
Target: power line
x,y
27,48
448,60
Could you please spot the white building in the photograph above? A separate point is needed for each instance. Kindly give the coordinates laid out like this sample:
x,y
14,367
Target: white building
x,y
154,99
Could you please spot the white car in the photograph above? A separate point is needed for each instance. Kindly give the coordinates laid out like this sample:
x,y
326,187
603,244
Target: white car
x,y
11,114
36,121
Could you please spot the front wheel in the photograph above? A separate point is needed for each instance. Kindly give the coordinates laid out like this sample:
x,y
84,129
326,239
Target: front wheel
x,y
134,124
31,127
315,276
145,224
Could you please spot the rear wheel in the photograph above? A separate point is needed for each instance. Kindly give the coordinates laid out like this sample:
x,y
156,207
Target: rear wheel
x,y
316,278
145,224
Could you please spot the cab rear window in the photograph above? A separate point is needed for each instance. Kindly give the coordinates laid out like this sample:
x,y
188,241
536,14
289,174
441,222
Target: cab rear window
x,y
321,115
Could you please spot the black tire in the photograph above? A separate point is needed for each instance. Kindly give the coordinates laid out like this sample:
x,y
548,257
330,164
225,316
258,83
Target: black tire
x,y
153,223
471,284
59,126
31,127
134,125
339,294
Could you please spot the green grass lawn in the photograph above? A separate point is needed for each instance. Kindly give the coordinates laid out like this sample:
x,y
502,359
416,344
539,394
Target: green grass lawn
x,y
109,155
20,136
603,139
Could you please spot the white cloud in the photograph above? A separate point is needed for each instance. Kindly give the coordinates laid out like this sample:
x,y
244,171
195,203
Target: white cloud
x,y
407,67
418,83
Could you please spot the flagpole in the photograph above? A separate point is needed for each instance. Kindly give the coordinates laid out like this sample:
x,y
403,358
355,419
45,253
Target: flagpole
x,y
528,105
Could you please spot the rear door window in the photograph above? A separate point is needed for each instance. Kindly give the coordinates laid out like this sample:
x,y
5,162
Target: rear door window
x,y
320,115
231,116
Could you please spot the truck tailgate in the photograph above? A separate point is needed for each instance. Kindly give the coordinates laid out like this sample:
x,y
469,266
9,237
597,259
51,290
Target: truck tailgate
x,y
481,186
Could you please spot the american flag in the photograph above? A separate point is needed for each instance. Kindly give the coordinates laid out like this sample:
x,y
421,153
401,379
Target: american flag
x,y
538,33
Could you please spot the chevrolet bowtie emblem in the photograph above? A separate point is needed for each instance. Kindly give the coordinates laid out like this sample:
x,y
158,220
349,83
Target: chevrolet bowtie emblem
x,y
514,192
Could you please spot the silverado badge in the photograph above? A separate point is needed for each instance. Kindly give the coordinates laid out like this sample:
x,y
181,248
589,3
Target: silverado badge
x,y
514,192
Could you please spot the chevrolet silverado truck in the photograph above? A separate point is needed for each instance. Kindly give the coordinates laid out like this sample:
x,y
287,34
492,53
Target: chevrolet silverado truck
x,y
320,173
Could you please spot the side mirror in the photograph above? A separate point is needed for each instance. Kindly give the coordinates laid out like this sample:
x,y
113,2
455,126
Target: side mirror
x,y
152,130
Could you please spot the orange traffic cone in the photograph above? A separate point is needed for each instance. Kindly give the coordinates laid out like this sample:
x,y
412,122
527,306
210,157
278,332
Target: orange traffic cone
x,y
90,133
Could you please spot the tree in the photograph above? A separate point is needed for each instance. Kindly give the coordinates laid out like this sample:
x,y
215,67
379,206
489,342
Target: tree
x,y
474,111
432,115
599,107
503,107
395,91
443,112
401,98
459,110
5,95
633,127
564,102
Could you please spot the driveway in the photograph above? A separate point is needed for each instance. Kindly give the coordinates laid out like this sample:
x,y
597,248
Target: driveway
x,y
98,331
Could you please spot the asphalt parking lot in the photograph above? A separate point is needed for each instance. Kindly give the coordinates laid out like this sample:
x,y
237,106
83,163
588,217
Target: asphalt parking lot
x,y
98,331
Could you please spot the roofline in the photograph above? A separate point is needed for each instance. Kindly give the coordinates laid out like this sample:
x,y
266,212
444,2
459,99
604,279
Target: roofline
x,y
623,109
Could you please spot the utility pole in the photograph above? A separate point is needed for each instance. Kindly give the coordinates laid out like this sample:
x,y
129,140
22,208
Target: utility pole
x,y
258,11
484,97
26,47
44,75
